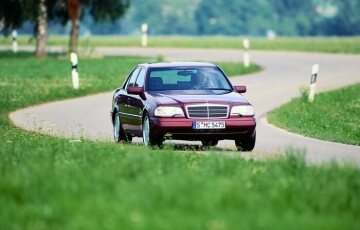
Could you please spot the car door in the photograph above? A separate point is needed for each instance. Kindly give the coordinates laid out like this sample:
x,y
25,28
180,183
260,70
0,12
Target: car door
x,y
126,112
135,105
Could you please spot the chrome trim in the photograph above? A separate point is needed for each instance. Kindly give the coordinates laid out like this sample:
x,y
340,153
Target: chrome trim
x,y
207,105
128,114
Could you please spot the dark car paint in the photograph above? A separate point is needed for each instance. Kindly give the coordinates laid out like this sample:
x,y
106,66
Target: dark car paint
x,y
134,106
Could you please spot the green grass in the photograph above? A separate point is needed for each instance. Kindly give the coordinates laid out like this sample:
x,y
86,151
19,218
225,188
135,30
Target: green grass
x,y
233,69
96,75
50,183
333,116
57,185
308,44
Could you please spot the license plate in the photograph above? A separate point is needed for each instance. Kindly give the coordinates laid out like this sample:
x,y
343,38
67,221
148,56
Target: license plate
x,y
209,125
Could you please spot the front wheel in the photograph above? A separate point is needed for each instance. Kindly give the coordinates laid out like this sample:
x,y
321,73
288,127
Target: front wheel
x,y
119,134
148,137
246,143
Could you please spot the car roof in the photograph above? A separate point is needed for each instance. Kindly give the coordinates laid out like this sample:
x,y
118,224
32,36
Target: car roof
x,y
177,64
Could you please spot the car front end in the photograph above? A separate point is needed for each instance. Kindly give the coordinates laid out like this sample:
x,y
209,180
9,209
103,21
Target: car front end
x,y
200,121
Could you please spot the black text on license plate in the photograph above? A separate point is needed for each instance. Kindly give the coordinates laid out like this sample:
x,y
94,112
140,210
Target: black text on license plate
x,y
209,125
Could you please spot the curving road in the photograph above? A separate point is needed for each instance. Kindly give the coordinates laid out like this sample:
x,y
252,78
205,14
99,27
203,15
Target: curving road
x,y
284,73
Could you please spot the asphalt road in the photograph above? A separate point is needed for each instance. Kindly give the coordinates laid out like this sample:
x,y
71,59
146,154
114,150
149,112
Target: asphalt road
x,y
284,73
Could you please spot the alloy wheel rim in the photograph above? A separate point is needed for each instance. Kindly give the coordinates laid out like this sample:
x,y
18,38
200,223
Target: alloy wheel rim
x,y
146,131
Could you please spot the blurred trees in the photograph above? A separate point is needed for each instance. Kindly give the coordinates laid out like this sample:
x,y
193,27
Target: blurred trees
x,y
234,17
163,16
198,17
293,17
13,13
346,20
100,11
42,29
242,17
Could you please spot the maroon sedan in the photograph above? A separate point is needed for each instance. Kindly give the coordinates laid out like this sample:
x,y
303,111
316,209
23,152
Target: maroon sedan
x,y
184,101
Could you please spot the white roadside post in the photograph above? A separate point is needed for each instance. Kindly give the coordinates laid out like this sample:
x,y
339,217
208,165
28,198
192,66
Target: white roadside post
x,y
314,73
14,43
74,70
144,36
246,44
271,35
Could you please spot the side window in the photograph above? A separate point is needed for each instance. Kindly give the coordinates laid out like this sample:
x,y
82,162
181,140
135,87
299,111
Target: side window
x,y
132,79
141,78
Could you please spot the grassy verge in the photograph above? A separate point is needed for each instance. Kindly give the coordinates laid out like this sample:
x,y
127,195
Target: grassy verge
x,y
334,116
308,44
49,183
233,69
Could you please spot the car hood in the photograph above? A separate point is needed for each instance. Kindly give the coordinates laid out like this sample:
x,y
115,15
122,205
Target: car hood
x,y
189,97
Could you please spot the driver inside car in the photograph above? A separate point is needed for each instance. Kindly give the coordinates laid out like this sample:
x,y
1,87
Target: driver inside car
x,y
201,81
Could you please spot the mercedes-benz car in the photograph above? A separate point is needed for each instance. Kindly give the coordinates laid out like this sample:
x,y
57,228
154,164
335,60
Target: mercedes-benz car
x,y
184,101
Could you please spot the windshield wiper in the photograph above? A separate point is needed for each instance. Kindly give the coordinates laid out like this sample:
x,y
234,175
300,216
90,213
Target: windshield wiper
x,y
217,89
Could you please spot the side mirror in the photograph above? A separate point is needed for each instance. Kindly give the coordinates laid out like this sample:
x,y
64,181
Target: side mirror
x,y
135,90
240,89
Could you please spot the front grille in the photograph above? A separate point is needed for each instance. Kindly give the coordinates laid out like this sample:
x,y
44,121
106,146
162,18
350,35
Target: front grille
x,y
207,111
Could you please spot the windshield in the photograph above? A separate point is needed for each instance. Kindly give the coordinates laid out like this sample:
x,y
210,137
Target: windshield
x,y
189,78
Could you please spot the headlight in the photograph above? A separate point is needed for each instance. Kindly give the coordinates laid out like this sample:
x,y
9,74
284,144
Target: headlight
x,y
169,111
243,110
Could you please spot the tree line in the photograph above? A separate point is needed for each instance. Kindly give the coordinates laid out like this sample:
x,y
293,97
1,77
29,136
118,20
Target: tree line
x,y
234,17
184,17
244,17
13,13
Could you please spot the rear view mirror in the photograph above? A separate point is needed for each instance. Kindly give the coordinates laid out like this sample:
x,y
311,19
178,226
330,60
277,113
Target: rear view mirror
x,y
185,72
240,89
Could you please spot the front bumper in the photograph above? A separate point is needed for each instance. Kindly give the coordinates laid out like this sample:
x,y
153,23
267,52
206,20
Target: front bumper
x,y
182,128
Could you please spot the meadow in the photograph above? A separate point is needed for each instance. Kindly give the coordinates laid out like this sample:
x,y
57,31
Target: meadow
x,y
349,45
53,183
342,124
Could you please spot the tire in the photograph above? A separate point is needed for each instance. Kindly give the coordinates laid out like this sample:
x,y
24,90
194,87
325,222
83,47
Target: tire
x,y
246,143
149,139
118,132
209,143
